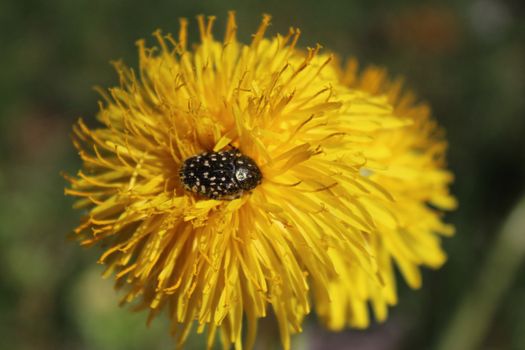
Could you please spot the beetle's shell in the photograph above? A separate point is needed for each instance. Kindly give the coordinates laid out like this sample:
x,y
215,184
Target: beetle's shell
x,y
220,175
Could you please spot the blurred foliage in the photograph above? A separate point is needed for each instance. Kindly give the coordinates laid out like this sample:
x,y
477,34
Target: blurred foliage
x,y
467,58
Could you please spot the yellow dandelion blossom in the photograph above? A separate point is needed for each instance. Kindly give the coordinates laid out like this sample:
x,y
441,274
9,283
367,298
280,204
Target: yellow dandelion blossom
x,y
412,169
341,191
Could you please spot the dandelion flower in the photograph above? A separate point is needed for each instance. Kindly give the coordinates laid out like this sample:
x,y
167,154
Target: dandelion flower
x,y
229,180
409,163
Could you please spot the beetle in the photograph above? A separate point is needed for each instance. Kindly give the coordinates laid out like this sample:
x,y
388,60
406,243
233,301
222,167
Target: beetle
x,y
220,175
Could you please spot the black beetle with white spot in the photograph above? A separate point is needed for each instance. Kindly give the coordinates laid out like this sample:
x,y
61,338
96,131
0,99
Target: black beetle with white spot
x,y
220,175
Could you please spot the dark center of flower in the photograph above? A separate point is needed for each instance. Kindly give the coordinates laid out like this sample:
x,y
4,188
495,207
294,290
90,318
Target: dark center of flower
x,y
220,175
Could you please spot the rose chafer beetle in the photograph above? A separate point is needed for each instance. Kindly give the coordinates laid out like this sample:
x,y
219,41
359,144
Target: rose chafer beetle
x,y
220,175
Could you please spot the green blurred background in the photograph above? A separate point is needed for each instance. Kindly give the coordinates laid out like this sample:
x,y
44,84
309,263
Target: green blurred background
x,y
467,58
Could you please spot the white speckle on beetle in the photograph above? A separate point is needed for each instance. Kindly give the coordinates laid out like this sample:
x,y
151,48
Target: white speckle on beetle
x,y
241,174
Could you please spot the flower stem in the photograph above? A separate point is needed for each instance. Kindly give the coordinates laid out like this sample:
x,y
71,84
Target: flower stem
x,y
467,329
